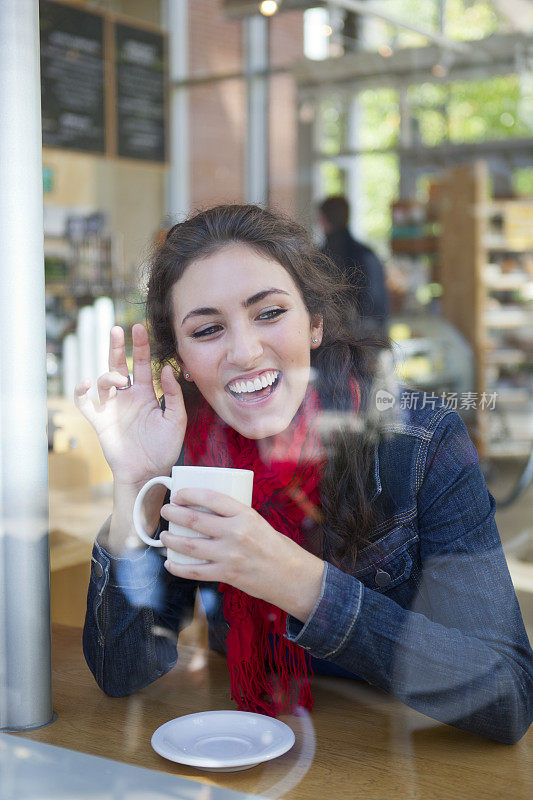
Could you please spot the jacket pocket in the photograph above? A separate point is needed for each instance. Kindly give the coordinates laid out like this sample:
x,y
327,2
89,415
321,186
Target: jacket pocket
x,y
390,561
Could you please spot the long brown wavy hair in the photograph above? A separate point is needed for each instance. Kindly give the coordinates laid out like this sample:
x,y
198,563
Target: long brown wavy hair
x,y
348,349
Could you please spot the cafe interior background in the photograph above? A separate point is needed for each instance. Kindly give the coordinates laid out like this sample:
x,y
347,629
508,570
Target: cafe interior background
x,y
419,111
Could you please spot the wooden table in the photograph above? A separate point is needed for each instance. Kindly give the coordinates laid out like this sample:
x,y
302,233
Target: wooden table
x,y
76,516
356,743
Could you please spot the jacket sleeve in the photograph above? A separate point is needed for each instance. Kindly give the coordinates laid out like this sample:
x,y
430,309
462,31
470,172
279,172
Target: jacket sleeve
x,y
459,653
135,611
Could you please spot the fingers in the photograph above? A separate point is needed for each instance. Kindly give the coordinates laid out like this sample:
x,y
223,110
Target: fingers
x,y
174,405
198,547
108,383
142,364
82,401
216,502
117,351
194,572
199,521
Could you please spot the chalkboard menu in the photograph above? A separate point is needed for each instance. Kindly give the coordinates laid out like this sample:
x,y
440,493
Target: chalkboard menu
x,y
140,88
72,77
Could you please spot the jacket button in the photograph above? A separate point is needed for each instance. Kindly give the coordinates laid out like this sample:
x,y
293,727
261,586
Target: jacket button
x,y
98,569
382,578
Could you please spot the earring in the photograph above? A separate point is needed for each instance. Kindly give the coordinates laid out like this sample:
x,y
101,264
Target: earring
x,y
315,341
187,376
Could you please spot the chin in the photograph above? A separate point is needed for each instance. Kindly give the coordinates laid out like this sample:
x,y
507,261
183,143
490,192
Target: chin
x,y
256,430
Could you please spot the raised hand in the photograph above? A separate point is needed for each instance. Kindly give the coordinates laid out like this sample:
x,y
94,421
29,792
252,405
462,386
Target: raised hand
x,y
139,441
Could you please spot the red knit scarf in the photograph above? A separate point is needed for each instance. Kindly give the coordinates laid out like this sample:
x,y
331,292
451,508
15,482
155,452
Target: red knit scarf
x,y
287,471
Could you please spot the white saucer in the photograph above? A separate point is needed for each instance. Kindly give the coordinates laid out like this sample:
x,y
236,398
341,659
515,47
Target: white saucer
x,y
222,741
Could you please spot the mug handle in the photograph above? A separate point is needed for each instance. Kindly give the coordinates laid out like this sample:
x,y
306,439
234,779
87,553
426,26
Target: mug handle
x,y
141,533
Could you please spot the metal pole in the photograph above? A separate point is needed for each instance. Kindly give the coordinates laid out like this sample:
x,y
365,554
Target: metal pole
x,y
255,34
305,197
354,192
25,669
176,20
371,9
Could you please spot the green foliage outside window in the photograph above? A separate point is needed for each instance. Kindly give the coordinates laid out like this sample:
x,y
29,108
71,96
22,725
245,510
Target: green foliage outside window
x,y
332,126
523,181
496,108
486,110
380,177
379,119
463,20
332,179
427,104
469,21
471,111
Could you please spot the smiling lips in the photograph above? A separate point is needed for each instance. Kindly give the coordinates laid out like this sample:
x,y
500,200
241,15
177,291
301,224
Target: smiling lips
x,y
260,386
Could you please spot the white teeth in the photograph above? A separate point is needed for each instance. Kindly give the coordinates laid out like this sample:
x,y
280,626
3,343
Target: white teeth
x,y
267,379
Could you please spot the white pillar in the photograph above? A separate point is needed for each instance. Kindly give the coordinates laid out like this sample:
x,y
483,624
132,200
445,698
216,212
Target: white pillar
x,y
354,195
25,671
176,20
255,33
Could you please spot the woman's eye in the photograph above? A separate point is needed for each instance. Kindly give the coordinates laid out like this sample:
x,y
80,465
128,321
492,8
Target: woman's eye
x,y
205,331
272,313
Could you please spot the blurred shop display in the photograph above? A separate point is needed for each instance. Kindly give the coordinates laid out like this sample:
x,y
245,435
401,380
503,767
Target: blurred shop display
x,y
431,354
410,285
86,352
413,275
470,259
83,273
103,94
486,255
81,256
416,229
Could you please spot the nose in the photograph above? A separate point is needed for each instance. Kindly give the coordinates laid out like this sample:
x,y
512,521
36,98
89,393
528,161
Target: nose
x,y
245,348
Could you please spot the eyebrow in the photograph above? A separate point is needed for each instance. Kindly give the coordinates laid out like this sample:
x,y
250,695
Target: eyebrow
x,y
255,298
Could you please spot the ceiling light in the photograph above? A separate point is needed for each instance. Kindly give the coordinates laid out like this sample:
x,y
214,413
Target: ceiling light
x,y
268,7
439,70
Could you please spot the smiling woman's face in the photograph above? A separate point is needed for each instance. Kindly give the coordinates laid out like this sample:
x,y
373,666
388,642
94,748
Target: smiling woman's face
x,y
245,337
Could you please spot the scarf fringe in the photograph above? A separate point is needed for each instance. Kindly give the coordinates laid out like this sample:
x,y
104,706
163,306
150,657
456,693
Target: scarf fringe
x,y
277,683
269,674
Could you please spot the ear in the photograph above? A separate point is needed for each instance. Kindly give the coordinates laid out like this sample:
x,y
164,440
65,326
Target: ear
x,y
183,368
317,331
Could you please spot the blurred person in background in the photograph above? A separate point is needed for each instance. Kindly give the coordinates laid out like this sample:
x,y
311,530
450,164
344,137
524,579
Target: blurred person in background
x,y
359,264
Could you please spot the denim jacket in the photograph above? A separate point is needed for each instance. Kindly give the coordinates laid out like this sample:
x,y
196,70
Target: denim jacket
x,y
429,614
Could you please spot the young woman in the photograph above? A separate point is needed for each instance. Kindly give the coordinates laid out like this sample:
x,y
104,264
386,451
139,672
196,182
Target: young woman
x,y
371,549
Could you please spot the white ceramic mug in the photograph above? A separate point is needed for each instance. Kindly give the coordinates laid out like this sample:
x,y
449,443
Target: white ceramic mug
x,y
237,483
